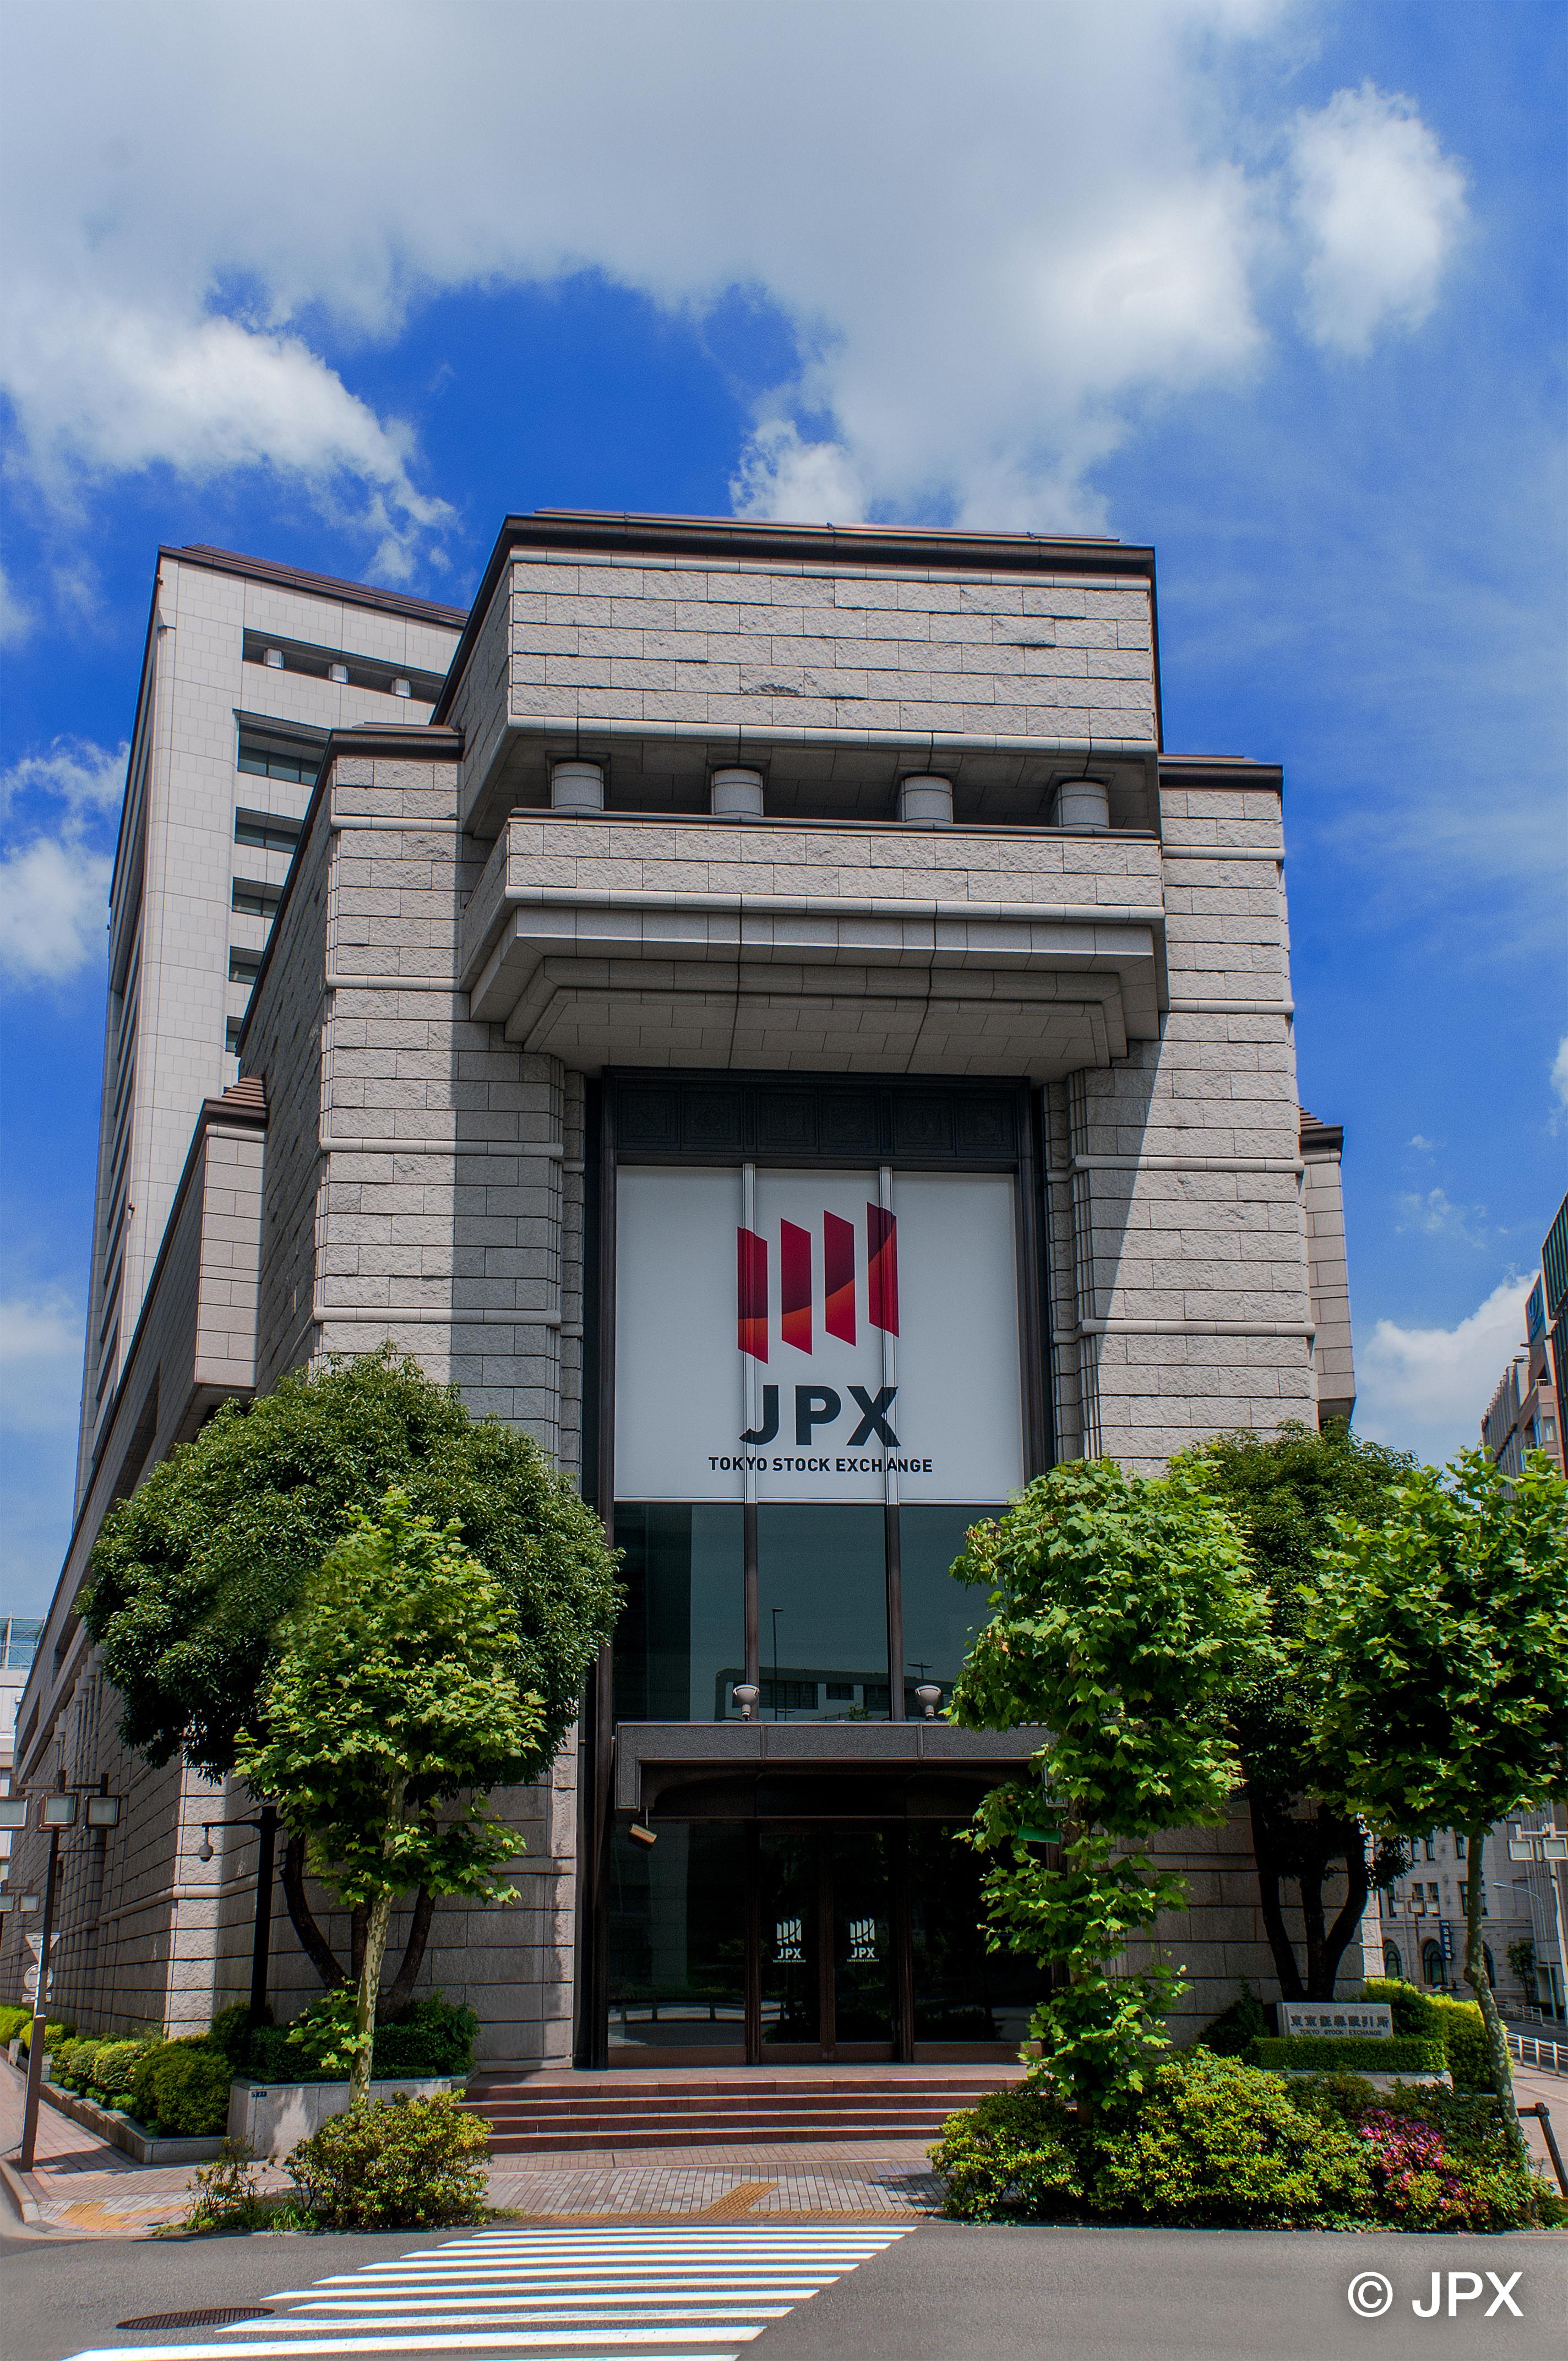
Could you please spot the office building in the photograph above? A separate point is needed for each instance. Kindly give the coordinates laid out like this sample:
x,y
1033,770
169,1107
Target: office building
x,y
773,1021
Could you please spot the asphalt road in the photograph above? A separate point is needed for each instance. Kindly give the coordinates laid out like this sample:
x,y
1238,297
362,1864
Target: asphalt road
x,y
945,2290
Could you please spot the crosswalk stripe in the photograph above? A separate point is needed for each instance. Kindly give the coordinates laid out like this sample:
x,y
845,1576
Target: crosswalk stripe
x,y
699,2293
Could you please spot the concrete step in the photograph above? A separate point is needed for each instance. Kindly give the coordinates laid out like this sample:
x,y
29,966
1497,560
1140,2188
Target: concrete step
x,y
653,2113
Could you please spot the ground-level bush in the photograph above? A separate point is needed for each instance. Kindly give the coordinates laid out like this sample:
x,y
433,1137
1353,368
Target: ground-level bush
x,y
1433,2016
183,2088
431,2038
1230,2033
1214,2141
395,2163
1013,2154
52,2034
113,2068
13,2017
1464,2039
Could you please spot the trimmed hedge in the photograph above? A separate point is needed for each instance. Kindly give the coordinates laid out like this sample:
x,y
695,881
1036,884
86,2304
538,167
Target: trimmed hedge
x,y
1431,2016
183,2088
1317,2055
432,2038
13,2017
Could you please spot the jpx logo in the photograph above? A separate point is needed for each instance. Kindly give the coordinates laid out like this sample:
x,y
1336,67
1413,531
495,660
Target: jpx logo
x,y
818,1406
798,1294
1370,2295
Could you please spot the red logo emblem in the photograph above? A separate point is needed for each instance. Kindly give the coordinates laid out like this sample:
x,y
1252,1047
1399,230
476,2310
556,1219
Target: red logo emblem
x,y
796,1295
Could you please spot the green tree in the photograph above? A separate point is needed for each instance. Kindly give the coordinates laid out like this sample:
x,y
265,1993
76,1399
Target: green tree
x,y
1285,1491
391,1708
1119,1609
192,1574
1438,1642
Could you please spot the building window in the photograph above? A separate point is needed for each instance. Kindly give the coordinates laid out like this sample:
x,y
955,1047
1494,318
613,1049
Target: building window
x,y
1486,1962
255,900
261,762
271,830
1458,1846
244,966
232,1031
1431,1844
1431,1963
1393,1965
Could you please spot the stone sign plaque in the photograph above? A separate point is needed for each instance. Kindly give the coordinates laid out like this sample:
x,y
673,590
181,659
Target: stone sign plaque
x,y
1355,2020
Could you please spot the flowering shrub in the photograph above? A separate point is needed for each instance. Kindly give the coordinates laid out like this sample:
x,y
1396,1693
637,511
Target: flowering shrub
x,y
1414,2176
398,2164
1214,2141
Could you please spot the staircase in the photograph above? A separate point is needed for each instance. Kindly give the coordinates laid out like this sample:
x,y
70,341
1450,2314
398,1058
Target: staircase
x,y
532,2115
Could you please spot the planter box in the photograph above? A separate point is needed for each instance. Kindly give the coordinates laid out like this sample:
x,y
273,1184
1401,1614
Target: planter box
x,y
125,2133
275,2116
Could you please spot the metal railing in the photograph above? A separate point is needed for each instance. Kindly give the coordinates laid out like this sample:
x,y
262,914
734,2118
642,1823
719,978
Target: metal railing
x,y
1551,2055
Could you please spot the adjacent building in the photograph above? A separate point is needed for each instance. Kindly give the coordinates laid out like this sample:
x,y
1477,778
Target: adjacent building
x,y
759,1007
1528,1410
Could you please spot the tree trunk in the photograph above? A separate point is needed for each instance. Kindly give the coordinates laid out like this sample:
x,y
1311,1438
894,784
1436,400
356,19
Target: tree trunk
x,y
402,1989
1279,1942
1475,1977
1338,1939
379,1917
358,1920
312,1942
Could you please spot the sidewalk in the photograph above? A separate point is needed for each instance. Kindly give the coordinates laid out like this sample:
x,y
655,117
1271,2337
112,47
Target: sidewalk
x,y
83,2188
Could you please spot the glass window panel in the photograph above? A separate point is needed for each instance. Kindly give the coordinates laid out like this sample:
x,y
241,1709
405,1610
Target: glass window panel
x,y
822,1596
962,1991
678,1945
680,1643
940,1615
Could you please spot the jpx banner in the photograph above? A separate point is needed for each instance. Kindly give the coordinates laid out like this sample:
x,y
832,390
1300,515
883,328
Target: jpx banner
x,y
825,1342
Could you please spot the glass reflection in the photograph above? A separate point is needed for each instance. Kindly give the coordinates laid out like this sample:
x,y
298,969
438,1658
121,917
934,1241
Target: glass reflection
x,y
940,1615
822,1592
677,1946
963,1993
680,1643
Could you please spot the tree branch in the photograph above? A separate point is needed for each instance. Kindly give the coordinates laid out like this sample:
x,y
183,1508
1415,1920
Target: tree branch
x,y
1280,1943
401,1990
312,1942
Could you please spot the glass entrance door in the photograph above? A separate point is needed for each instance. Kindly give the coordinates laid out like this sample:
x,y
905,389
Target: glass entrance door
x,y
826,1944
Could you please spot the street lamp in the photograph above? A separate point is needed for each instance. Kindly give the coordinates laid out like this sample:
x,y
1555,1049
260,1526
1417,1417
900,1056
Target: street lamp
x,y
930,1697
266,1827
57,1810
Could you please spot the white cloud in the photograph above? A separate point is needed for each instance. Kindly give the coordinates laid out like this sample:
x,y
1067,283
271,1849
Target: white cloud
x,y
53,896
1560,1082
89,780
40,1362
1424,1389
1436,1216
980,292
1380,206
15,620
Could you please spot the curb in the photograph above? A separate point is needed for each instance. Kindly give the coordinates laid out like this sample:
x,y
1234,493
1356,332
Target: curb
x,y
25,2205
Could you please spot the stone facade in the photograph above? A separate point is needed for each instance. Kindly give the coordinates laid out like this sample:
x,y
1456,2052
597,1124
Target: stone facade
x,y
455,964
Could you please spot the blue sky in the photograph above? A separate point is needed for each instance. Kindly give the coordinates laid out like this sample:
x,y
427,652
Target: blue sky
x,y
1277,288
